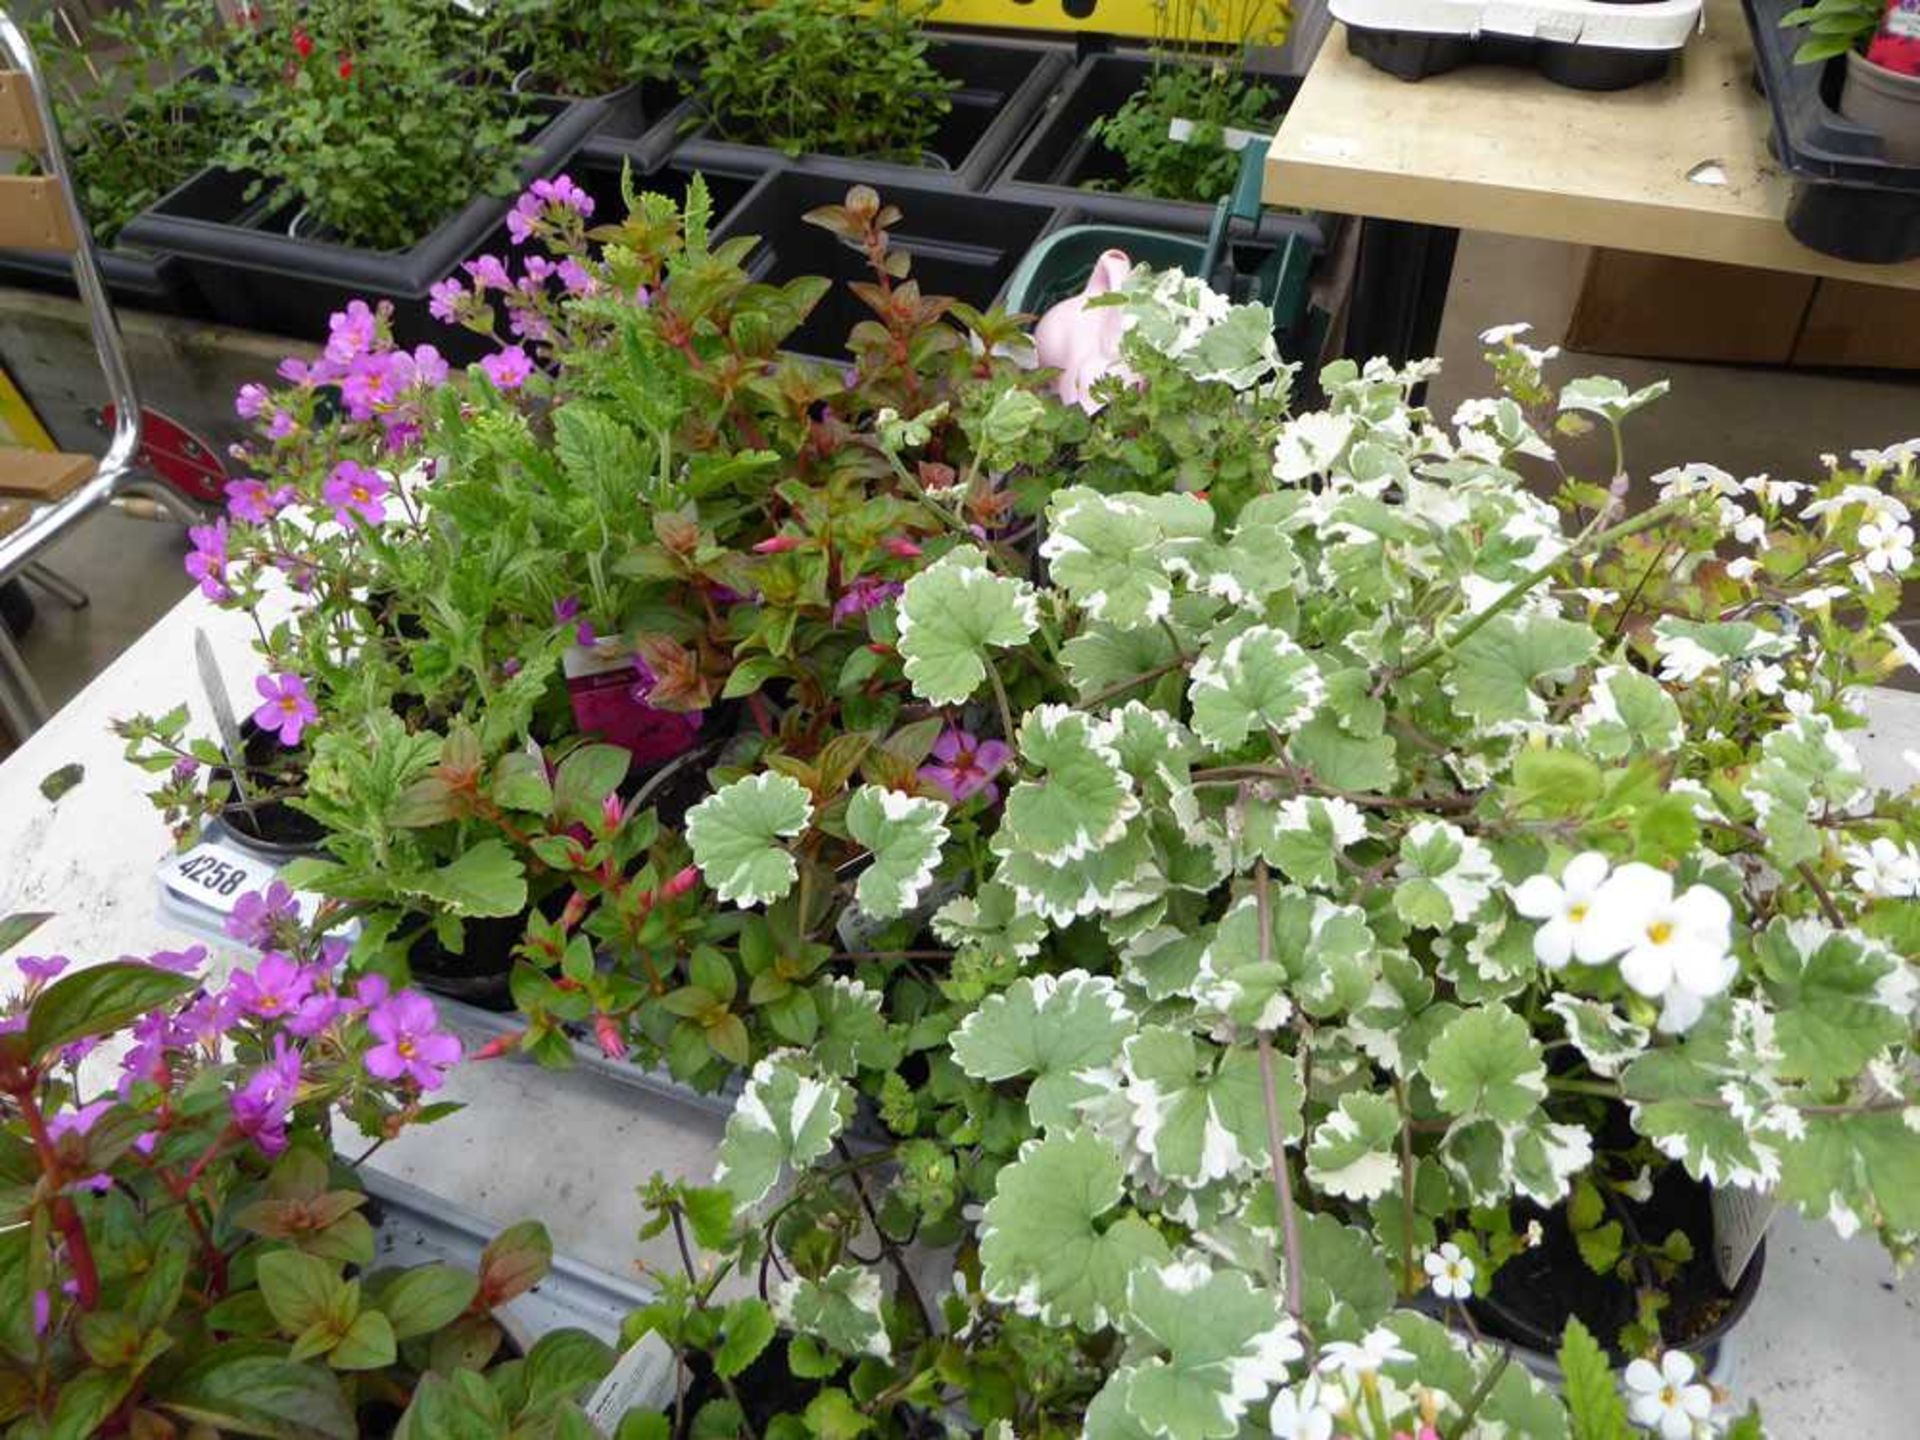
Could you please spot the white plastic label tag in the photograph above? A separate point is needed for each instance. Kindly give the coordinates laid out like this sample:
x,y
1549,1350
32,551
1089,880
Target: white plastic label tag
x,y
642,1379
1740,1221
1231,138
217,875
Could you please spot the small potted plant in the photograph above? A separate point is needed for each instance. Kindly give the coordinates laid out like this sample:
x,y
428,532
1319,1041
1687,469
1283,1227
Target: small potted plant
x,y
370,161
1881,43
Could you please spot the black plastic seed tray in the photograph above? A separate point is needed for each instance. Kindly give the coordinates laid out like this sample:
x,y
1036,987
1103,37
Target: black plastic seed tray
x,y
1849,200
1581,44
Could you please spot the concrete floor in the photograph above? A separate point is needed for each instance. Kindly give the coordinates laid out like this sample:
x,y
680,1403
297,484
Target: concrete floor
x,y
1746,420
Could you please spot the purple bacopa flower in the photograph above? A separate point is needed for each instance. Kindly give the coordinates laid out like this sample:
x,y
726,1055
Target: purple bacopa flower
x,y
967,766
285,707
509,369
444,299
38,969
576,278
355,492
317,1012
411,1043
253,502
207,561
179,962
78,1122
864,594
250,401
281,425
429,367
351,332
273,988
259,915
261,1106
491,274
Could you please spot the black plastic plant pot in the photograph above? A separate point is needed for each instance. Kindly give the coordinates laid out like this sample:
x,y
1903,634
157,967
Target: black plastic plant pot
x,y
479,974
135,279
271,828
1413,55
1002,86
642,124
1535,1293
1849,200
255,275
965,246
1062,163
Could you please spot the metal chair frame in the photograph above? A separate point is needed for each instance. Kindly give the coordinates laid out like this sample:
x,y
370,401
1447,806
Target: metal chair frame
x,y
120,471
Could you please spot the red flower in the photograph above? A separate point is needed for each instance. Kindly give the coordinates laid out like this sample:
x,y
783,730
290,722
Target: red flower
x,y
346,69
302,44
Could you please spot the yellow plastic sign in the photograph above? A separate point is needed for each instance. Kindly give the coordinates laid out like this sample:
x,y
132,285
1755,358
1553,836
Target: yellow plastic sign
x,y
1109,17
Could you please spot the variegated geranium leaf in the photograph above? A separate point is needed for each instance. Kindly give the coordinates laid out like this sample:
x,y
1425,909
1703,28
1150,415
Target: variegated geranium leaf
x,y
1627,712
1117,879
905,834
1052,1028
1605,1039
1109,552
952,615
991,924
1355,1151
1487,1063
1445,875
1840,1000
1805,766
786,1116
853,1033
1303,836
1259,560
1713,1102
1255,681
841,1309
1081,799
1497,668
1050,1245
1199,1110
1209,1345
735,836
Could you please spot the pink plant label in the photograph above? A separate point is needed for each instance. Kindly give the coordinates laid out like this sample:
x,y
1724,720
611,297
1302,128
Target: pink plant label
x,y
609,687
1897,46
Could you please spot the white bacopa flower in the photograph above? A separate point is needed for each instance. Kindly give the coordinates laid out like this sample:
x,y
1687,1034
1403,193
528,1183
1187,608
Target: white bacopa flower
x,y
1565,907
1672,948
1308,1411
1903,648
1683,659
1751,530
1772,491
1887,548
1663,1398
1380,1346
1500,334
1535,1235
1449,1272
1884,869
1881,508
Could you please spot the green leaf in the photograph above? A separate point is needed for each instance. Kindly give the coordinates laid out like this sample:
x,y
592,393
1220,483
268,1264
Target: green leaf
x,y
1217,1345
1200,1109
245,1388
1487,1063
1805,766
1446,875
841,1309
1355,1150
1256,681
1346,762
1606,397
1605,1040
1050,1027
301,1290
98,1001
951,614
1587,1380
1106,551
1081,801
1047,1246
748,1327
735,835
1496,668
990,925
1304,836
16,927
1628,712
585,779
426,1298
1348,1287
564,1364
905,834
483,881
1863,1167
368,1344
784,1116
85,1402
515,1260
1836,1000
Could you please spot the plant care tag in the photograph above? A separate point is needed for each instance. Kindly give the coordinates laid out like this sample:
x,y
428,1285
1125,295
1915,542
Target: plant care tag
x,y
1181,133
1740,1221
216,875
608,686
642,1379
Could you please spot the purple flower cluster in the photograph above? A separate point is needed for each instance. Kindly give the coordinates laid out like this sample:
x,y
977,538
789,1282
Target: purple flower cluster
x,y
207,560
547,202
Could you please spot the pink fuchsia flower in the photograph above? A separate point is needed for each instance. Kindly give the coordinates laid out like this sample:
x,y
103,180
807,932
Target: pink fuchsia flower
x,y
411,1043
250,401
207,560
251,501
967,765
509,369
259,915
777,545
864,594
262,1105
355,492
607,1034
445,299
272,989
285,707
351,332
39,969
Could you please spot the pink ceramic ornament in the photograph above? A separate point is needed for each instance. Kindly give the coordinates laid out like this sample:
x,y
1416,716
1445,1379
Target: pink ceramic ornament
x,y
1083,343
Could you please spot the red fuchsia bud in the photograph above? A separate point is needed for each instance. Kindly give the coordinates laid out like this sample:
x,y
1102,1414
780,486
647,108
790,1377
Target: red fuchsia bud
x,y
346,69
681,883
902,548
562,982
880,647
613,810
777,545
575,912
608,1034
498,1046
302,44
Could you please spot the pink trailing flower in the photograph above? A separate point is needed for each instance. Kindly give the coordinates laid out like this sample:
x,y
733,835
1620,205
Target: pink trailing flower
x,y
253,502
38,969
864,594
576,278
491,274
274,988
259,915
351,332
250,401
285,707
262,1105
560,192
77,1122
429,367
509,369
354,491
281,425
412,1044
967,766
207,561
683,880
178,962
445,300
374,383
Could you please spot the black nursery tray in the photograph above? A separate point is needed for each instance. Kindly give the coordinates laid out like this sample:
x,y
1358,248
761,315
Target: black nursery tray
x,y
1849,200
135,279
1582,44
962,245
1002,86
254,275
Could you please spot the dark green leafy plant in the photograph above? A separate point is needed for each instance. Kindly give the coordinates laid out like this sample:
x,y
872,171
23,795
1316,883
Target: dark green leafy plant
x,y
841,77
580,48
1200,167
